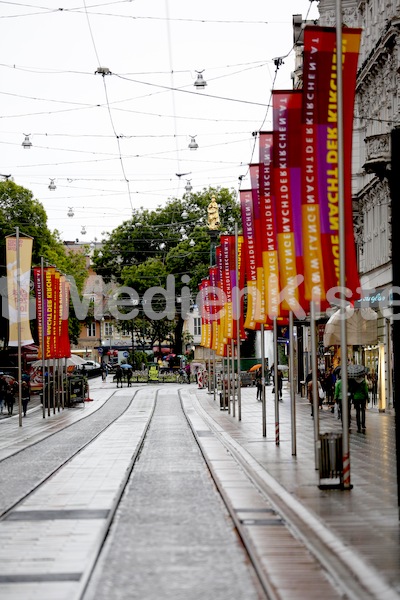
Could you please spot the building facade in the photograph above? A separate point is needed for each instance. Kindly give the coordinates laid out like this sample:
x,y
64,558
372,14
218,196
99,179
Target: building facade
x,y
377,113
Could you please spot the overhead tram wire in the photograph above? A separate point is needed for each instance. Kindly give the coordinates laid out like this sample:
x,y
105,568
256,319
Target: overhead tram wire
x,y
278,62
108,108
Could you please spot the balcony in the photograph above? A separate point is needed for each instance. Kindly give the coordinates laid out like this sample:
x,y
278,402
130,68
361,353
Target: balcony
x,y
378,152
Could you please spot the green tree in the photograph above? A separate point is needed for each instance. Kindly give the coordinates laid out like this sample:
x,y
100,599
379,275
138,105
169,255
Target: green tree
x,y
173,239
19,209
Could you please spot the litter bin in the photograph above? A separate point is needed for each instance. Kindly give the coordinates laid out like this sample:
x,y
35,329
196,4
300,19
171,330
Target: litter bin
x,y
330,460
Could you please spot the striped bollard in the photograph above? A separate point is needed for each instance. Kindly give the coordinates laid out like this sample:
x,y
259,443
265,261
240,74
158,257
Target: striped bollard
x,y
277,433
346,472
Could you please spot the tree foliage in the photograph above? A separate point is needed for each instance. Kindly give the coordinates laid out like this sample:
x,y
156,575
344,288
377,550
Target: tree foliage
x,y
19,209
173,239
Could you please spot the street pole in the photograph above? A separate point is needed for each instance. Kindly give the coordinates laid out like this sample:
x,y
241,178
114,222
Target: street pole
x,y
237,299
342,252
19,328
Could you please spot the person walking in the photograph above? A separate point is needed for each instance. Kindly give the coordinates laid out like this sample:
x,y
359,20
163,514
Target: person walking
x,y
359,393
259,384
129,376
25,396
118,375
10,398
103,371
3,389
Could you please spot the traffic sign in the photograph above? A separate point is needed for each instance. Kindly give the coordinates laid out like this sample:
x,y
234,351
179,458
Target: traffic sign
x,y
100,350
125,354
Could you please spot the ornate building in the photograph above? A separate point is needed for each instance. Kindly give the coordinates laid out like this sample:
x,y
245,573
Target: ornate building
x,y
377,112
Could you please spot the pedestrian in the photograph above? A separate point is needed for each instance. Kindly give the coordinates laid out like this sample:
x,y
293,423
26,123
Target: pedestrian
x,y
187,371
259,384
280,382
359,393
129,376
25,396
10,398
3,388
118,375
337,395
103,371
329,388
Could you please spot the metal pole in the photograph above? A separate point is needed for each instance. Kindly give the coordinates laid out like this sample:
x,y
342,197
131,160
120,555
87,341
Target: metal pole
x,y
234,378
263,399
19,328
276,381
228,378
42,338
214,374
315,396
292,382
237,298
342,251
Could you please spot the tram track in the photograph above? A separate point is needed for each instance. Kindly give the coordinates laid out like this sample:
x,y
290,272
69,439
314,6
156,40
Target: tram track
x,y
345,574
23,460
28,513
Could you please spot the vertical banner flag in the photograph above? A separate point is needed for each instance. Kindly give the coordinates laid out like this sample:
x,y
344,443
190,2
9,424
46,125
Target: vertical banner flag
x,y
25,261
238,310
260,316
287,185
222,340
320,122
48,317
206,341
249,256
55,280
37,278
228,282
269,242
212,272
65,347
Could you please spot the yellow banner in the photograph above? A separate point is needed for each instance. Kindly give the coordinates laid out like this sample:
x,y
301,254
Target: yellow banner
x,y
271,275
25,261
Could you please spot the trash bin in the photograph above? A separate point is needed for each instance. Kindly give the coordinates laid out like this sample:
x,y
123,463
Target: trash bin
x,y
330,460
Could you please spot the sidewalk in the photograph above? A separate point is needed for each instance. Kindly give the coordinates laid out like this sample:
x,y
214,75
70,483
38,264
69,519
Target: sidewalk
x,y
364,519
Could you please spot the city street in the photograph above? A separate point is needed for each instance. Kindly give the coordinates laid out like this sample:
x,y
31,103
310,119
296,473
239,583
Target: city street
x,y
115,500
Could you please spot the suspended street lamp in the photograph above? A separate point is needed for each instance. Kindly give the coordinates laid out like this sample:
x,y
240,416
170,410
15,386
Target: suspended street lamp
x,y
188,186
200,82
70,212
27,142
193,145
52,185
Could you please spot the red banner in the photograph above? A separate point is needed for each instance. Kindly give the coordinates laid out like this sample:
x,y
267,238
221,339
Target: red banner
x,y
321,143
39,306
268,226
260,315
249,256
287,187
65,347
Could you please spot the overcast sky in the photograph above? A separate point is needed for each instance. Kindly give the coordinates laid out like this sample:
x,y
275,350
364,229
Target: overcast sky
x,y
118,142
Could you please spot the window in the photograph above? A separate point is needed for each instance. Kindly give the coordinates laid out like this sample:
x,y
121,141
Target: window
x,y
197,326
108,329
91,329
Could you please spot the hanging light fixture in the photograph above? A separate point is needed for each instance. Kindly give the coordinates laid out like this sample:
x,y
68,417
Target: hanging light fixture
x,y
162,246
70,212
200,82
188,186
52,185
83,230
184,237
182,230
192,243
184,215
193,145
27,142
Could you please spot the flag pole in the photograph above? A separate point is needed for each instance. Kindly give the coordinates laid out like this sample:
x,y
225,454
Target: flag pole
x,y
292,382
237,298
342,251
19,327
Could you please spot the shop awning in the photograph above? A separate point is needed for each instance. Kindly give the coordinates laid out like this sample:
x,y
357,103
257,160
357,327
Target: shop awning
x,y
361,327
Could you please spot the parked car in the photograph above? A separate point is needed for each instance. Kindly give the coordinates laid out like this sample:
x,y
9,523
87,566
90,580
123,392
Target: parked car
x,y
88,365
